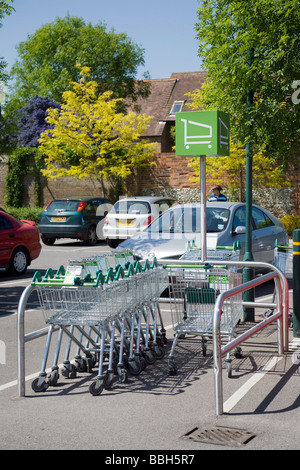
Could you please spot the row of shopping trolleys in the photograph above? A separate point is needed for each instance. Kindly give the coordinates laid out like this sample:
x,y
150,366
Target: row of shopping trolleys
x,y
111,316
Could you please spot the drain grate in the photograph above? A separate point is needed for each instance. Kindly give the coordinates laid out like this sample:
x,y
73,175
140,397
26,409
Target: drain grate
x,y
220,435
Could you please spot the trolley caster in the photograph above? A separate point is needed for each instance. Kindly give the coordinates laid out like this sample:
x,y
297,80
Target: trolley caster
x,y
228,363
40,384
149,356
53,376
163,335
108,380
123,375
81,364
69,370
238,353
159,351
96,387
134,367
172,367
90,363
139,358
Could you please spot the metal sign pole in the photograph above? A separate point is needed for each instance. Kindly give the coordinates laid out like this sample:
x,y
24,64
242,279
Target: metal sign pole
x,y
203,207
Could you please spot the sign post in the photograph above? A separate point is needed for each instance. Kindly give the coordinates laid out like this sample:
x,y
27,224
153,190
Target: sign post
x,y
202,133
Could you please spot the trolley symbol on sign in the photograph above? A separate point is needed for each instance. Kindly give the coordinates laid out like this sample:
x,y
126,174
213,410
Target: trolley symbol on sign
x,y
224,139
189,128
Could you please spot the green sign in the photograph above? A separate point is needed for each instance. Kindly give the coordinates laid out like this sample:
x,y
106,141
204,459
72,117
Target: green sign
x,y
202,133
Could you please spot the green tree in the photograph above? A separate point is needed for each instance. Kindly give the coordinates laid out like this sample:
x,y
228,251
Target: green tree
x,y
47,61
90,138
254,46
5,9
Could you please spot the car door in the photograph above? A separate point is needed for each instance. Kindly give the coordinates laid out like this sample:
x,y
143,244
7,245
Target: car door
x,y
102,207
7,240
239,228
263,236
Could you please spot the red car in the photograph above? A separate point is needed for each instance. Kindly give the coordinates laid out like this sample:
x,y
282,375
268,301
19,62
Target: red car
x,y
19,243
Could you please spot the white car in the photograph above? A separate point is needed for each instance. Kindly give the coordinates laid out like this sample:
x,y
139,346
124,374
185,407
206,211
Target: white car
x,y
132,215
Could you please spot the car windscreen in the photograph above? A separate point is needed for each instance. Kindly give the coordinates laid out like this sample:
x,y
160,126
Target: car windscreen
x,y
187,220
63,205
131,207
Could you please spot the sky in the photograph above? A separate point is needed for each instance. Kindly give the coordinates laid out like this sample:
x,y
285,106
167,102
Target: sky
x,y
164,28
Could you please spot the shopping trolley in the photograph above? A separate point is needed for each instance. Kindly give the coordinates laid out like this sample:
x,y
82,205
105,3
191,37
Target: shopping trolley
x,y
193,293
226,253
107,313
283,260
85,308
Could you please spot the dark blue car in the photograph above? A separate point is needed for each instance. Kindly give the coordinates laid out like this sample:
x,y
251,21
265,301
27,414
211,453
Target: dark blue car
x,y
74,217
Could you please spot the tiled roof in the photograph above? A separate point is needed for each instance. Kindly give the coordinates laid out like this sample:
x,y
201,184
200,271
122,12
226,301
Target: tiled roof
x,y
164,92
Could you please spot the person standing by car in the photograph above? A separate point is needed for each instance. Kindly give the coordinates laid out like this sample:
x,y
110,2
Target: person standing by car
x,y
217,195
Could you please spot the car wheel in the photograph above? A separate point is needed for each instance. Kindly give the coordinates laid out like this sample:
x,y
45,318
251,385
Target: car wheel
x,y
91,238
112,243
18,262
47,240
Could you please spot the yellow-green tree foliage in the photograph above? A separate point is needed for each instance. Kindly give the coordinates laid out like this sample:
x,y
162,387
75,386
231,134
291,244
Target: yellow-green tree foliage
x,y
230,171
90,138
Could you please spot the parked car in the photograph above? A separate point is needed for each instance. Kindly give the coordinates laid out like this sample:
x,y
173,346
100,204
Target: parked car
x,y
168,236
132,215
19,242
74,217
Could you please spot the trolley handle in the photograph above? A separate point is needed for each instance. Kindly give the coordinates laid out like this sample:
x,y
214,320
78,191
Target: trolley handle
x,y
282,247
120,273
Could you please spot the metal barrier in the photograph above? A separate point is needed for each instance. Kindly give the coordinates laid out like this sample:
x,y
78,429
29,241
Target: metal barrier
x,y
219,351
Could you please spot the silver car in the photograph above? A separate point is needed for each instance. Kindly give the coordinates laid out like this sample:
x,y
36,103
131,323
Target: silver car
x,y
170,234
132,215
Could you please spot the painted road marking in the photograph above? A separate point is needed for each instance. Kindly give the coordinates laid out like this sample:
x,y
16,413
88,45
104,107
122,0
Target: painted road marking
x,y
258,375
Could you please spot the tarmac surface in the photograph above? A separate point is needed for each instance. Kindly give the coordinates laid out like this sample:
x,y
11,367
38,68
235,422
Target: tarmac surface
x,y
154,411
153,418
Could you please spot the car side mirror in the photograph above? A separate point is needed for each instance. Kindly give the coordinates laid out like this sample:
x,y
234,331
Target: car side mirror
x,y
239,230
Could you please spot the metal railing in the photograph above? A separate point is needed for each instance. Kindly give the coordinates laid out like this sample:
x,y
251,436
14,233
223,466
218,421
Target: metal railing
x,y
22,338
219,351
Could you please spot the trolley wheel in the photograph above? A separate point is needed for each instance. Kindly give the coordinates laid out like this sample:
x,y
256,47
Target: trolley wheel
x,y
108,380
149,356
143,362
69,371
53,377
90,363
163,336
39,385
81,364
96,387
238,353
134,367
229,368
172,367
159,351
123,375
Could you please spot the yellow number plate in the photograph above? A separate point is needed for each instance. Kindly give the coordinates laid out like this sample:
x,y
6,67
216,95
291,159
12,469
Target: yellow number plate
x,y
58,219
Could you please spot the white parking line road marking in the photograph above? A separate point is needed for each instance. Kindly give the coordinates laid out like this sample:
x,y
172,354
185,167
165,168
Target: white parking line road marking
x,y
258,375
